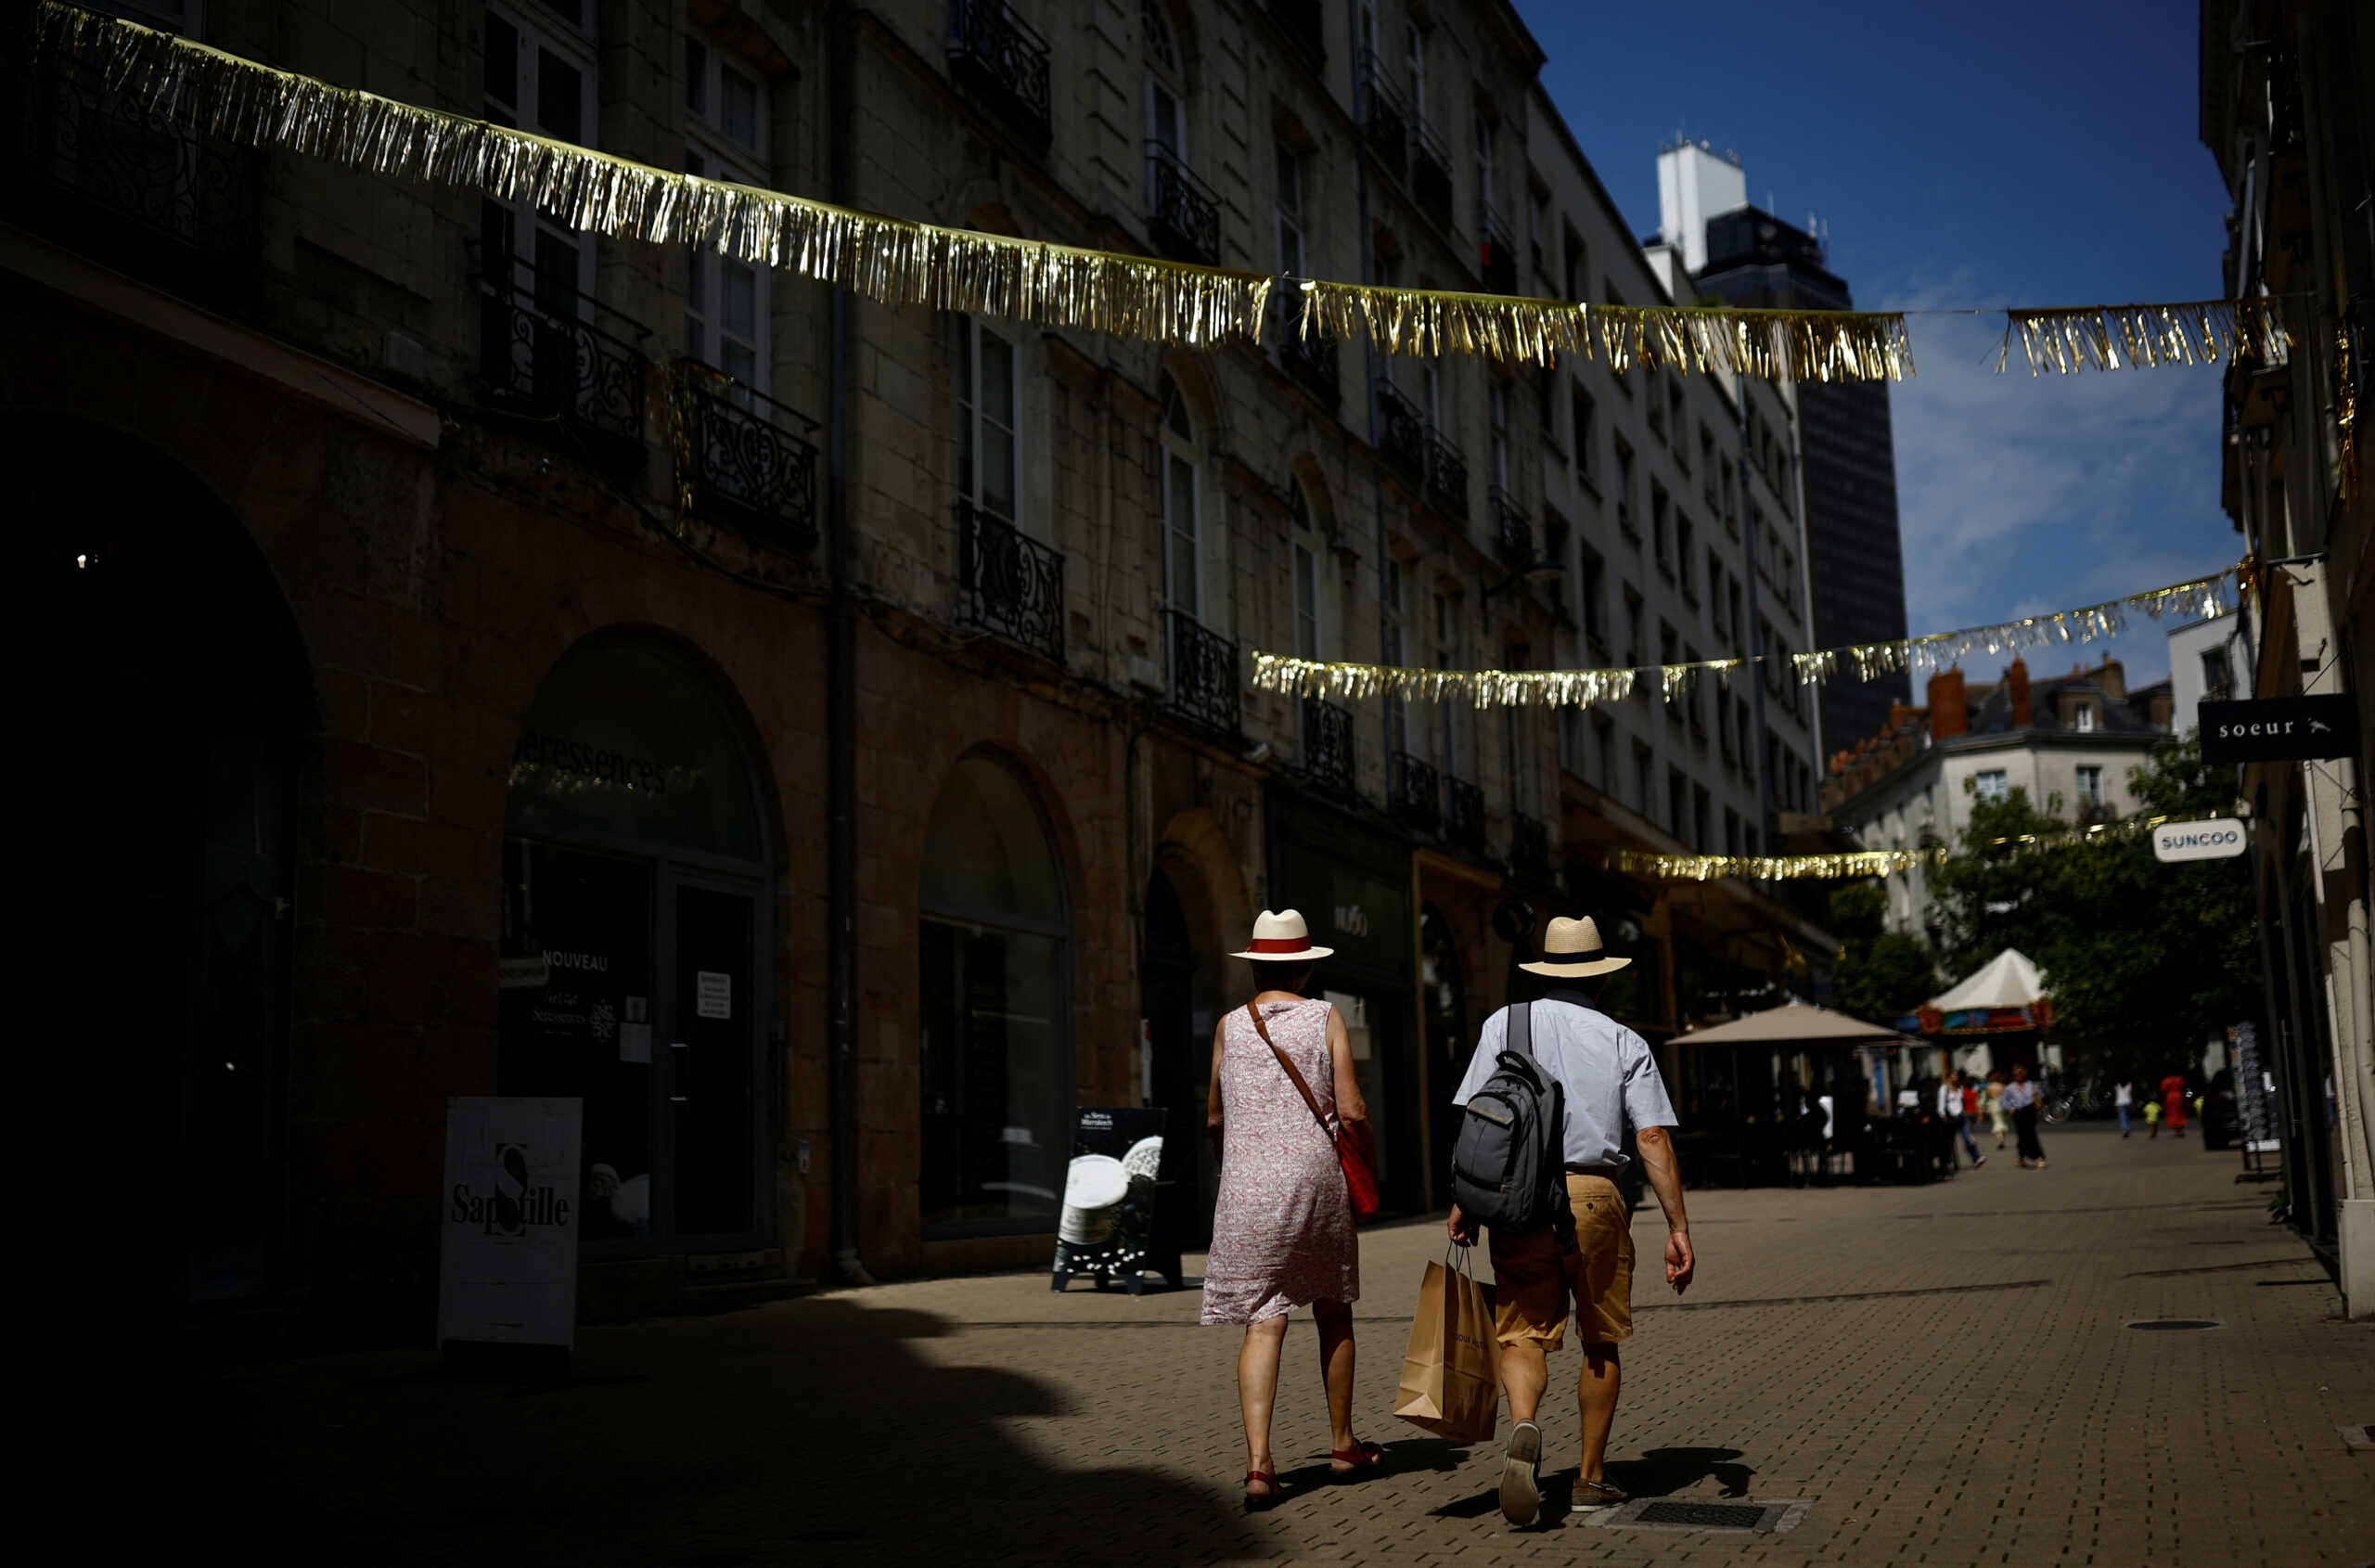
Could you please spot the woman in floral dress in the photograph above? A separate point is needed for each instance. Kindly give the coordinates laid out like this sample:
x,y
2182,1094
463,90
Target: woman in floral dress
x,y
1282,1230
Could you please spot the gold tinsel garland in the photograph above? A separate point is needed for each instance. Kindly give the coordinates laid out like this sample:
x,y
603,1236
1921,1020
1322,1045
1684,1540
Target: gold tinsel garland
x,y
1859,863
2205,596
899,262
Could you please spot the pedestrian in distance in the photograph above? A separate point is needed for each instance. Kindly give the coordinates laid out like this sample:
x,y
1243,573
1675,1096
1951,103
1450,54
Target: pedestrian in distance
x,y
1992,1099
2172,1103
2021,1100
2124,1099
1951,1093
1282,1227
2152,1118
1604,1077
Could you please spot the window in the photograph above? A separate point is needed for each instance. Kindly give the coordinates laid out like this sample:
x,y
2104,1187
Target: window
x,y
1632,628
538,78
1578,268
1677,797
2090,786
1661,525
1497,407
1699,806
1415,46
1731,831
1166,98
1545,404
1615,301
2084,717
1716,601
1604,754
1484,184
1644,769
1589,578
1687,555
2214,676
1397,738
1694,698
1736,628
1674,420
1731,503
1182,557
1707,466
1657,407
1624,517
1306,582
990,443
726,301
1989,784
1537,218
1291,257
1587,436
1451,654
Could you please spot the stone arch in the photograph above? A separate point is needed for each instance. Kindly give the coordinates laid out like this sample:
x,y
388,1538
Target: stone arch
x,y
1197,874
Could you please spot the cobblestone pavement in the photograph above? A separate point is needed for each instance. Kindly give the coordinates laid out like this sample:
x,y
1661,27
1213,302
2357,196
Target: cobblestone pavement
x,y
1943,1371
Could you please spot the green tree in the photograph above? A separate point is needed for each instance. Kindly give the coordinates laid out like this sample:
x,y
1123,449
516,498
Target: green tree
x,y
1880,974
2144,960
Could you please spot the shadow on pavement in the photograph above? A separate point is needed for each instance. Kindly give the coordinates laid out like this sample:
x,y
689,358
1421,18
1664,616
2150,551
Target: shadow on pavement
x,y
810,1432
1661,1472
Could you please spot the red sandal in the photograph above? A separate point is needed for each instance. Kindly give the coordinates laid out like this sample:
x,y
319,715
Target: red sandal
x,y
1362,1459
1262,1502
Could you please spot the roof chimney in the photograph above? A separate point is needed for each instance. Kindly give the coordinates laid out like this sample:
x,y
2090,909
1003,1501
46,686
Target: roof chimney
x,y
2017,680
2113,679
1949,710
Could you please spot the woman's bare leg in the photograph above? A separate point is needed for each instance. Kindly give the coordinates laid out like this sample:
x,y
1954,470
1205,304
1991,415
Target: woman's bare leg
x,y
1335,1319
1257,1391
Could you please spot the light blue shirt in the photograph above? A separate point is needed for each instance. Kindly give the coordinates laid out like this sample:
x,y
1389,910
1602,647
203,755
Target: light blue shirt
x,y
2018,1096
1606,1070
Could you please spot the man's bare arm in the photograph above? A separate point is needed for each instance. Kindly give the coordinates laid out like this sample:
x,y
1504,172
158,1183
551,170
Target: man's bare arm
x,y
1665,1180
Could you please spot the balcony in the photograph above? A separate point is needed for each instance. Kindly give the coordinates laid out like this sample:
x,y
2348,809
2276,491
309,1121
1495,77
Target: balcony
x,y
746,461
1402,431
1464,819
1529,848
170,205
993,54
1013,585
1496,258
1446,475
1512,529
550,352
1431,173
1183,214
1414,791
1301,21
1312,361
1328,745
1203,675
1385,119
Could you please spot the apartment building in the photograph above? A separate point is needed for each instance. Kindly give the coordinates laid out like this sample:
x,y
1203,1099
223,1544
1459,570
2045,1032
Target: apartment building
x,y
816,733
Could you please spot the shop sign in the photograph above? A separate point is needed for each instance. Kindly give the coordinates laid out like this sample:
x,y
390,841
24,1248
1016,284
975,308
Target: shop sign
x,y
2214,840
508,1220
2279,729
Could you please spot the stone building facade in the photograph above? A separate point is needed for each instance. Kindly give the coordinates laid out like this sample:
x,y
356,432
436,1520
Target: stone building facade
x,y
816,734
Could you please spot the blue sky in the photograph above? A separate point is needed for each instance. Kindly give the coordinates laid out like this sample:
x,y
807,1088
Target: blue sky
x,y
2032,154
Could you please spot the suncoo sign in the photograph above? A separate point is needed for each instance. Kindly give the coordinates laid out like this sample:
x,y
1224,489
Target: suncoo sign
x,y
2279,729
2214,840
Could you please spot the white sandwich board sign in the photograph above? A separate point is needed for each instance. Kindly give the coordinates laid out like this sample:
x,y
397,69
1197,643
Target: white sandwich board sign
x,y
508,1221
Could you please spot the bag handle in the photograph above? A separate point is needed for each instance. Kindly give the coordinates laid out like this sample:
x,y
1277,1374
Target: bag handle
x,y
1292,1072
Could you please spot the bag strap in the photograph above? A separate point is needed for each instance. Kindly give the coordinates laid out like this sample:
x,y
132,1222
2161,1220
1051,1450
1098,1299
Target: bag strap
x,y
1288,1063
1519,1036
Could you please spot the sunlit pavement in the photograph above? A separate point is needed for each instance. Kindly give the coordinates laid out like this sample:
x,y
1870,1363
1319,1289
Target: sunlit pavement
x,y
1945,1372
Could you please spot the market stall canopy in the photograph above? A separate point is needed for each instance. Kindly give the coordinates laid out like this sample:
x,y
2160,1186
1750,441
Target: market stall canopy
x,y
1792,1023
2007,980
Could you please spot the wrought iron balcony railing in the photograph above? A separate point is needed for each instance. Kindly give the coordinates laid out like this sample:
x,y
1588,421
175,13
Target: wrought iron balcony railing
x,y
1300,20
1446,474
1328,745
546,350
1512,529
1431,173
1013,584
1497,258
1464,814
745,459
1402,429
1414,791
1528,846
1203,674
1385,118
96,170
1183,213
995,54
1312,361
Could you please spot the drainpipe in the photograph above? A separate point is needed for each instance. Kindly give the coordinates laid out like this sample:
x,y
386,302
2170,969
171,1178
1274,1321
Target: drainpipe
x,y
840,720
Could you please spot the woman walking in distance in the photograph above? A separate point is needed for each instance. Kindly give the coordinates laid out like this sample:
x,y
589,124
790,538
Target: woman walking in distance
x,y
2172,1104
2021,1100
1992,1099
1282,1228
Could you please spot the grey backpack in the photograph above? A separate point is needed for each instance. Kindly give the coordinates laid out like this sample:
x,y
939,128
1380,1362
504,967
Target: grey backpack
x,y
1508,1168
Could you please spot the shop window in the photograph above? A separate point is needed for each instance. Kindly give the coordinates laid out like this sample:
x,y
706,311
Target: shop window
x,y
994,1047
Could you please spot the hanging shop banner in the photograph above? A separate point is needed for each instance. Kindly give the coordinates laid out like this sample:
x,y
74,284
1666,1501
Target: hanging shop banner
x,y
2214,840
2280,729
1107,1228
508,1247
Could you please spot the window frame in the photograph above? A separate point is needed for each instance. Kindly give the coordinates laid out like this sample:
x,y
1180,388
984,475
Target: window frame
x,y
973,415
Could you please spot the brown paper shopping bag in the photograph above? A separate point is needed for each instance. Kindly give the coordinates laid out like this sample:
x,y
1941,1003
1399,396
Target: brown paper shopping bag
x,y
1451,1375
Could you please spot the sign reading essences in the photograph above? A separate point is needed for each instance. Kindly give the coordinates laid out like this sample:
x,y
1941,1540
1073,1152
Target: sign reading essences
x,y
508,1262
2213,839
2279,729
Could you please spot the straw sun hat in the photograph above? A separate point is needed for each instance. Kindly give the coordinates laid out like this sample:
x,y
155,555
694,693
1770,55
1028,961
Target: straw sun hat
x,y
1571,950
1281,938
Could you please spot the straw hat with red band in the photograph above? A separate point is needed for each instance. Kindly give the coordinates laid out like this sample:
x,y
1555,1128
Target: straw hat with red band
x,y
1281,938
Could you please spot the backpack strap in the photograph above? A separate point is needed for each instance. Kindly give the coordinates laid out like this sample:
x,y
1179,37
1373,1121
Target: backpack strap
x,y
1520,1035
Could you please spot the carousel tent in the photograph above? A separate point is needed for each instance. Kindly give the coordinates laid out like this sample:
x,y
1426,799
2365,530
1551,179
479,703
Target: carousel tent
x,y
2007,980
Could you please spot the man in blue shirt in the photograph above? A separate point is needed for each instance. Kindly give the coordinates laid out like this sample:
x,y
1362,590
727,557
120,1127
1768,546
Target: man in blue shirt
x,y
1609,1077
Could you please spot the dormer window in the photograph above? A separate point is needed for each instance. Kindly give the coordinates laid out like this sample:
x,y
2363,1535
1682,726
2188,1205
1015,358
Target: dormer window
x,y
2084,718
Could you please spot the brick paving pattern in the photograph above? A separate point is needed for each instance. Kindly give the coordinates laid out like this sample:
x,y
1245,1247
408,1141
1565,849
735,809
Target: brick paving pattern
x,y
1945,1371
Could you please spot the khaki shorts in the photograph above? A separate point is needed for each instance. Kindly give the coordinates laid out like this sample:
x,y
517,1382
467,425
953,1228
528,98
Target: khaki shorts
x,y
1532,1280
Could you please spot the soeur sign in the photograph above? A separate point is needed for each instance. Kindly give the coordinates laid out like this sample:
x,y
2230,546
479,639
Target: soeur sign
x,y
2214,840
2279,729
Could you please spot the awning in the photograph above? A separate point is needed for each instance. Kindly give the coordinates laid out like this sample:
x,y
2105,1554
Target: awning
x,y
1794,1023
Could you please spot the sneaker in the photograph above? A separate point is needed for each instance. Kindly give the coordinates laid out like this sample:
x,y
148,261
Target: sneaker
x,y
1593,1496
1521,1475
1977,1161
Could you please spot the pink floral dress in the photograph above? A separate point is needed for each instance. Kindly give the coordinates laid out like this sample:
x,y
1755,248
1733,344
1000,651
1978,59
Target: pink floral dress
x,y
1282,1230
